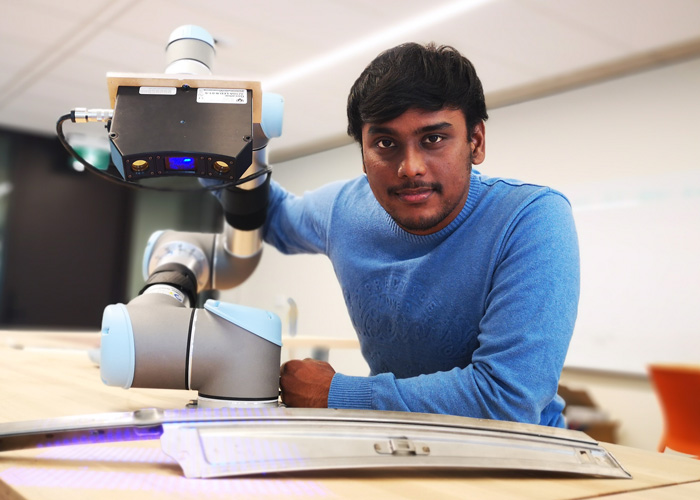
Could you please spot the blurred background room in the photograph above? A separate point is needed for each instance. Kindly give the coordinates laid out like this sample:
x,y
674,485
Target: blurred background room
x,y
599,99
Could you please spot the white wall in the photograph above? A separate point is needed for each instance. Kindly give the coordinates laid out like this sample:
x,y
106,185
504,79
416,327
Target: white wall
x,y
629,131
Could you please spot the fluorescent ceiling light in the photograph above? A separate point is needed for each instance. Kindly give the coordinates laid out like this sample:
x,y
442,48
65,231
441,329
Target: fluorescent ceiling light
x,y
429,17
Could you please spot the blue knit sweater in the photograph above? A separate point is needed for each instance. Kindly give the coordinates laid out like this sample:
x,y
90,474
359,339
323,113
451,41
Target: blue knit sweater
x,y
474,320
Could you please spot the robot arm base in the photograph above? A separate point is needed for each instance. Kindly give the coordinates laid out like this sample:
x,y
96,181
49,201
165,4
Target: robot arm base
x,y
230,354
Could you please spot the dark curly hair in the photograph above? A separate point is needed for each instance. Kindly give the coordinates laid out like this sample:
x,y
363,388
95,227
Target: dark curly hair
x,y
409,76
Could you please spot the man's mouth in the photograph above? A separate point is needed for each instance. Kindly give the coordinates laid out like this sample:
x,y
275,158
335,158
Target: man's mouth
x,y
415,193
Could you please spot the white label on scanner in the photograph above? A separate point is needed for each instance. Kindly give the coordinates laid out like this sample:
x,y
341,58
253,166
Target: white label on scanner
x,y
157,90
223,96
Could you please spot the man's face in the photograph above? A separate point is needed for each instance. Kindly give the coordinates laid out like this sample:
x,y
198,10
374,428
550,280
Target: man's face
x,y
419,164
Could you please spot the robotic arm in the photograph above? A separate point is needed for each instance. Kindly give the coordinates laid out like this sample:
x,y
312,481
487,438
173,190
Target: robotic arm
x,y
186,123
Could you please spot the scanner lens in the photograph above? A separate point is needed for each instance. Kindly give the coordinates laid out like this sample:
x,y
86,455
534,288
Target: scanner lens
x,y
180,163
139,165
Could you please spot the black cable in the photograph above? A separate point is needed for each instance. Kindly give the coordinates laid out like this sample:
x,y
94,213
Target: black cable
x,y
64,142
93,169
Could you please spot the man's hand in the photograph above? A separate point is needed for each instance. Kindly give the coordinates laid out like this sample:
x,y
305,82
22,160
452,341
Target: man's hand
x,y
305,384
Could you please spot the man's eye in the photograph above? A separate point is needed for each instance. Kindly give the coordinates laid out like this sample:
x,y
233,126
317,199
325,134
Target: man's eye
x,y
433,139
384,143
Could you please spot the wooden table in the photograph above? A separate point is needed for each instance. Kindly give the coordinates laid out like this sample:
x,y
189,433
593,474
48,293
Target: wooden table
x,y
46,375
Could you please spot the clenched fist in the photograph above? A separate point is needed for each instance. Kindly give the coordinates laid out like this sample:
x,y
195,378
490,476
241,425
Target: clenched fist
x,y
305,383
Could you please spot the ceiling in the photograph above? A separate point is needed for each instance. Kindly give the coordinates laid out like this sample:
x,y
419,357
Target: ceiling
x,y
55,55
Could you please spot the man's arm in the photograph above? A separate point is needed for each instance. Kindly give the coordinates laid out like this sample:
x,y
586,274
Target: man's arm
x,y
297,224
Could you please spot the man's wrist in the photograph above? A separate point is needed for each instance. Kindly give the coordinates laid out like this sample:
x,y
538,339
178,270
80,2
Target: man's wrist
x,y
350,392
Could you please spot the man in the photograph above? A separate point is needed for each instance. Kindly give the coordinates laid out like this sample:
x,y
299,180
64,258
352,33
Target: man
x,y
463,289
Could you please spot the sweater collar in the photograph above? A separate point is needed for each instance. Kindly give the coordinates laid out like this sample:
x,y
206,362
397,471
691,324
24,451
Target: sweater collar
x,y
474,192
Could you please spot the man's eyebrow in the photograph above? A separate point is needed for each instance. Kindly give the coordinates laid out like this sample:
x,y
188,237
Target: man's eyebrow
x,y
381,129
433,128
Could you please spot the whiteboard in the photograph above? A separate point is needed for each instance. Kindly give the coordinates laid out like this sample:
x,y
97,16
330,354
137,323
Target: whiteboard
x,y
640,272
625,152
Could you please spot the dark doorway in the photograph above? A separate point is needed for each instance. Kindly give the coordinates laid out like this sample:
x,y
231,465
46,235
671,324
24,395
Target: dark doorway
x,y
65,238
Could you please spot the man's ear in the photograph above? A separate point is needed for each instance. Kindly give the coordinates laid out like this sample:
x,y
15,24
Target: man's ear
x,y
362,155
477,143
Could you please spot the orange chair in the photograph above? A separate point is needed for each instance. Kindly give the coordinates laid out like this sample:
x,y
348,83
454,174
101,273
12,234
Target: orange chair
x,y
678,390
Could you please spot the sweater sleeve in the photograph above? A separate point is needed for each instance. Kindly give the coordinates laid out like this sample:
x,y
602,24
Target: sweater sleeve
x,y
299,224
523,337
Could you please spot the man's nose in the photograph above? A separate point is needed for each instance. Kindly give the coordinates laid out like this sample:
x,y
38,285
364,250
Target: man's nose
x,y
412,163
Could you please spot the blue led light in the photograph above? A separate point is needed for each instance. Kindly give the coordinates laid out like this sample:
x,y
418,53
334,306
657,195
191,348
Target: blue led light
x,y
180,163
